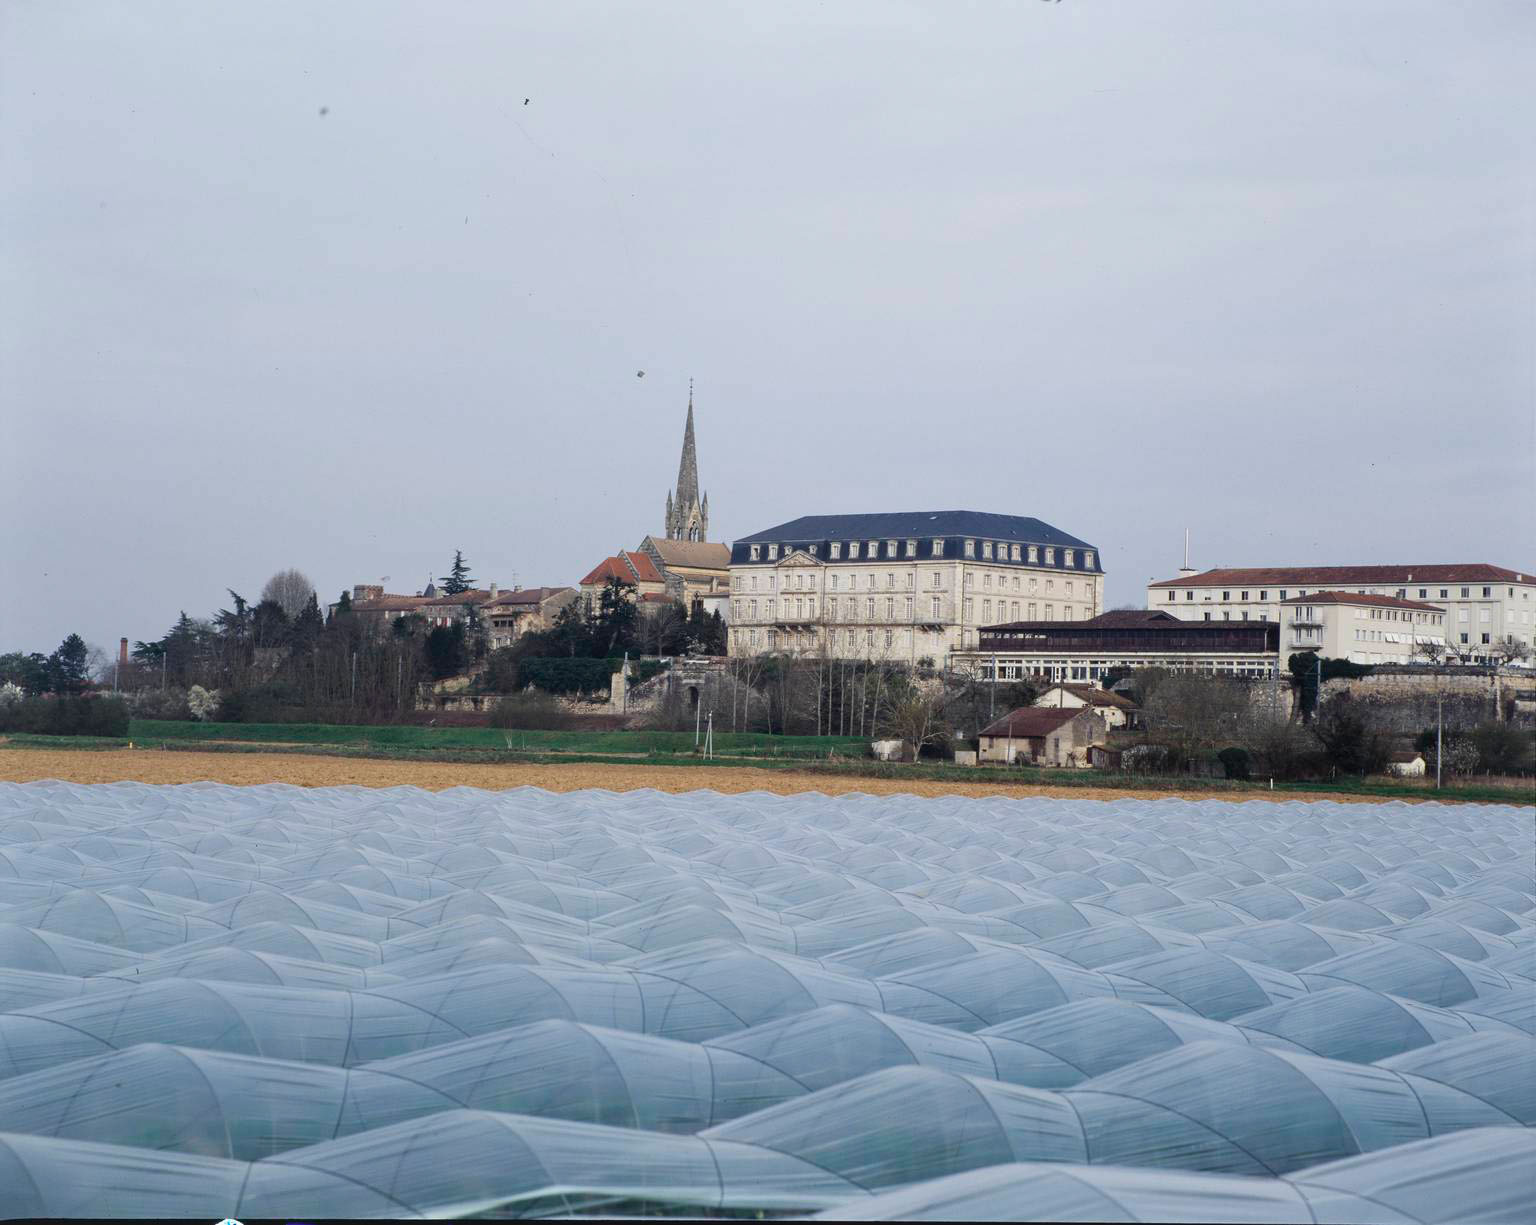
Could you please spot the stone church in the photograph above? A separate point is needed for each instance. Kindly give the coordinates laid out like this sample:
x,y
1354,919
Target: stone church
x,y
693,566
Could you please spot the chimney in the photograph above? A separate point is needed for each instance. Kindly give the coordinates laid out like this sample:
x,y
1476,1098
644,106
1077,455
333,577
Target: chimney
x,y
493,591
122,652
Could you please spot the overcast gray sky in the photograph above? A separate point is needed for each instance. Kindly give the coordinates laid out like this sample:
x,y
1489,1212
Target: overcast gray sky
x,y
300,284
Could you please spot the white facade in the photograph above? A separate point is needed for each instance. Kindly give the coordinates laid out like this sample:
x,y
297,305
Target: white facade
x,y
1364,629
1483,605
901,604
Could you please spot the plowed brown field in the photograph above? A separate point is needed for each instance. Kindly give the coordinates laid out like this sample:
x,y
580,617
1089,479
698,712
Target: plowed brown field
x,y
244,769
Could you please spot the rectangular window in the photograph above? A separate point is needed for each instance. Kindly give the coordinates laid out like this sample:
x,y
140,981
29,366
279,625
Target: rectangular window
x,y
834,582
986,549
909,608
986,581
1033,612
1189,595
936,613
1050,612
853,550
755,550
1465,591
773,551
986,610
1226,595
890,548
938,548
911,548
1443,592
1013,552
968,613
1485,637
835,549
869,608
1069,586
1172,596
938,578
1068,557
1487,591
1282,593
970,548
889,637
890,581
1034,554
1088,560
969,576
1050,557
911,575
1263,595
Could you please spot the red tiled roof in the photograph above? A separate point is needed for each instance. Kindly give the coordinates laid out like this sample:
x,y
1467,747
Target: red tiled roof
x,y
1350,597
644,568
1031,721
1461,572
609,567
528,595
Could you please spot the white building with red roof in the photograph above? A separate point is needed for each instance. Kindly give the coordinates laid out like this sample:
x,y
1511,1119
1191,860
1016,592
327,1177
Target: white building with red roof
x,y
1487,609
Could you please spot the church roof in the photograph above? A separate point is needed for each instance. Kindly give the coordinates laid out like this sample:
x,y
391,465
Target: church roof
x,y
692,554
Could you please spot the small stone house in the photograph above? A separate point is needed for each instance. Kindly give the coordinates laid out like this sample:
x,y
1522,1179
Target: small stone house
x,y
1115,710
1042,736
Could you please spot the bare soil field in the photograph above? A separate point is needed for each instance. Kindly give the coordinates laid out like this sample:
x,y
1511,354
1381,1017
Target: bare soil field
x,y
244,769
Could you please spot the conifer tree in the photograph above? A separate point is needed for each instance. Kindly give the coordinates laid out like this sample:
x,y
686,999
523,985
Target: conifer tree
x,y
459,579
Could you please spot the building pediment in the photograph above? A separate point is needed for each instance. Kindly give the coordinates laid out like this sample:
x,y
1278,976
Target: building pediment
x,y
798,558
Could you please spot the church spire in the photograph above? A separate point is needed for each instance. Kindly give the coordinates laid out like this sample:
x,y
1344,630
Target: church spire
x,y
688,466
687,517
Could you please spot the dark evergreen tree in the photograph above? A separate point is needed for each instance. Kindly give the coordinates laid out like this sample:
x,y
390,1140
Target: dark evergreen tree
x,y
67,672
459,579
269,624
29,671
307,626
447,652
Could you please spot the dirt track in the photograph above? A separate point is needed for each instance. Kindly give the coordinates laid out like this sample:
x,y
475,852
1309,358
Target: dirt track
x,y
244,769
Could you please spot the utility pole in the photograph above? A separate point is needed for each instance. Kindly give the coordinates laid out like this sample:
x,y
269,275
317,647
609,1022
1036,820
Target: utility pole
x,y
1439,730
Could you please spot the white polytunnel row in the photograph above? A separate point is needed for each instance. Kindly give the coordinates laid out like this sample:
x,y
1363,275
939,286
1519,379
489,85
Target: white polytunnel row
x,y
352,1002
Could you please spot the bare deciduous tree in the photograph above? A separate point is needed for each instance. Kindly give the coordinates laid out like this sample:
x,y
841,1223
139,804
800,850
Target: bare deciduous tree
x,y
917,719
290,590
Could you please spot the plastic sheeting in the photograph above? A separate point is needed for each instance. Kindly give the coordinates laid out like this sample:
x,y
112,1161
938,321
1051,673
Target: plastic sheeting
x,y
404,1003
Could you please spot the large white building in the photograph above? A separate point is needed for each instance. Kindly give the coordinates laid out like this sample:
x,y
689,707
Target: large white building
x,y
1484,605
1364,629
906,587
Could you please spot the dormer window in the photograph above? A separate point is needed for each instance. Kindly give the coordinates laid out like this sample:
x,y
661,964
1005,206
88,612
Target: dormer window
x,y
911,548
890,548
773,551
1050,557
836,548
986,549
1013,552
1069,557
938,548
1088,560
853,550
1034,555
814,547
756,552
970,548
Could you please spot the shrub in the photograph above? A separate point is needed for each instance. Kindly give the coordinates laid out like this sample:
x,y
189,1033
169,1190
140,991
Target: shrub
x,y
202,702
66,716
160,704
531,711
1148,759
1503,749
1235,761
11,694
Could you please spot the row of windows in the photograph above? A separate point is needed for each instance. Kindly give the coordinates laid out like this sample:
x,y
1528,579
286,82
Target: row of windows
x,y
797,580
802,608
988,551
1401,593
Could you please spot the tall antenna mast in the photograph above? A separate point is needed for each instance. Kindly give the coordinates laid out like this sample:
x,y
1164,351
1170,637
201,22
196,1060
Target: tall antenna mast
x,y
1186,548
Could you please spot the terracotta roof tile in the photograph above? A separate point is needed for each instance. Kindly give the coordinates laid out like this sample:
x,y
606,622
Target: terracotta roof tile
x,y
1350,597
1030,721
1461,572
